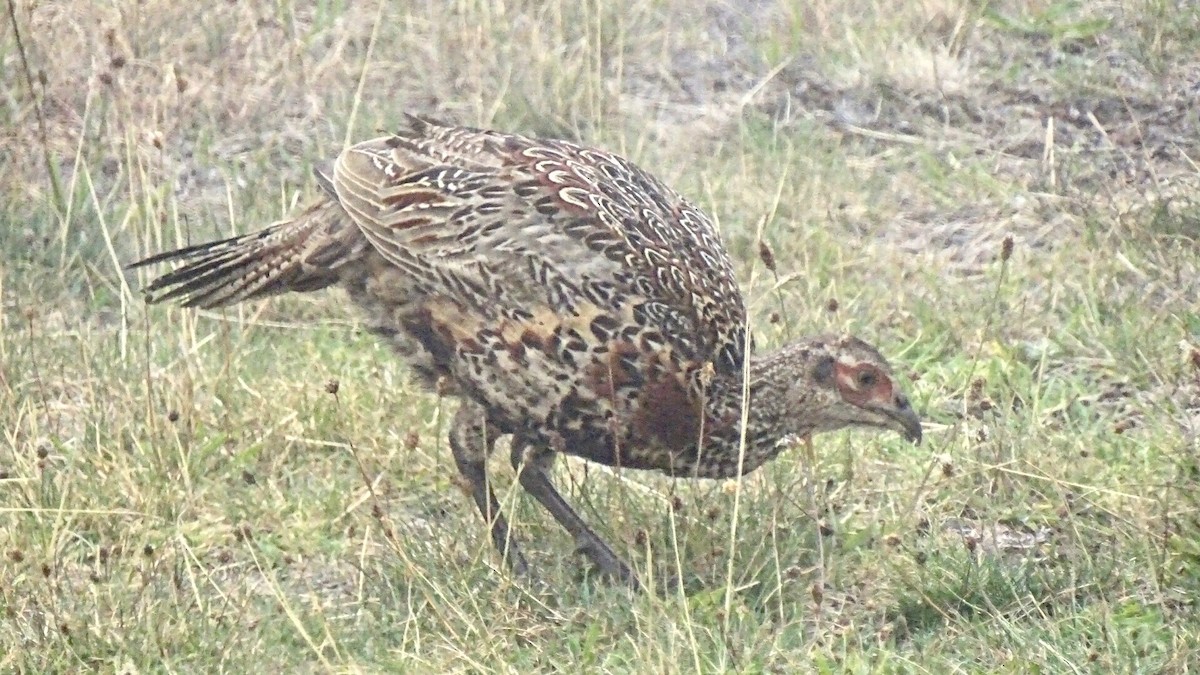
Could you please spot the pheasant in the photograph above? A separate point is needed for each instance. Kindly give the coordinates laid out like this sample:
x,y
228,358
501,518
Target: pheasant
x,y
566,297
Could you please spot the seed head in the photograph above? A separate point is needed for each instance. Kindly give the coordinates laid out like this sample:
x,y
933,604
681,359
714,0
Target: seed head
x,y
1006,248
766,255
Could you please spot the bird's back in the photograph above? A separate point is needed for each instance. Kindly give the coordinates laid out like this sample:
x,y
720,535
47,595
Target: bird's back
x,y
537,223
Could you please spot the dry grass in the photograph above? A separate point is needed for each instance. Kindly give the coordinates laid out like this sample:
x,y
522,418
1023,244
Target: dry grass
x,y
180,492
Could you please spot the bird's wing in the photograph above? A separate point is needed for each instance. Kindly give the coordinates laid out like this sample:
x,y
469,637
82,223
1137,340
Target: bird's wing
x,y
479,200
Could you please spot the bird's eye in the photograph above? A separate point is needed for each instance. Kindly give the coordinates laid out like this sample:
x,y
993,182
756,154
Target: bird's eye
x,y
866,379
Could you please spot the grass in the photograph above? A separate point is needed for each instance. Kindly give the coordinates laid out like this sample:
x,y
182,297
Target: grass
x,y
1002,195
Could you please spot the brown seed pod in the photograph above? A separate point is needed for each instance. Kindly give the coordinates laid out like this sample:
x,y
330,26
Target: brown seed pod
x,y
766,255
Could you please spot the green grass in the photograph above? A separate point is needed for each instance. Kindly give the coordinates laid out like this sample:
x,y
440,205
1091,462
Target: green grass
x,y
180,491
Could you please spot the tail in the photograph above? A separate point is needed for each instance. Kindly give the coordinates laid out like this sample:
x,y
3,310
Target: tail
x,y
304,254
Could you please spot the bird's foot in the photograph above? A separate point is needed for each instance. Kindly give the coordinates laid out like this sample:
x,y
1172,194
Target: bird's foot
x,y
516,561
607,562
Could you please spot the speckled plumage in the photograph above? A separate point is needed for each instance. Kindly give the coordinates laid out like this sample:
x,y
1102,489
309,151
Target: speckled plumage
x,y
569,298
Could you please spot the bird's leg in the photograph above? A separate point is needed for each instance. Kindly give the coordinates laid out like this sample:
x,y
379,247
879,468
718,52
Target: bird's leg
x,y
531,465
471,441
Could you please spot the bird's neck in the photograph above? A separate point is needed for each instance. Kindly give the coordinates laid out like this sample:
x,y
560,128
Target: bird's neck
x,y
745,437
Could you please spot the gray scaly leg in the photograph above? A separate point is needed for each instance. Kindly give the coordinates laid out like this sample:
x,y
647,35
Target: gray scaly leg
x,y
531,465
471,441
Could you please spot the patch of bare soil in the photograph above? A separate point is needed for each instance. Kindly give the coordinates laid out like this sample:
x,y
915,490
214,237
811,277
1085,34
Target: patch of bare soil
x,y
1082,126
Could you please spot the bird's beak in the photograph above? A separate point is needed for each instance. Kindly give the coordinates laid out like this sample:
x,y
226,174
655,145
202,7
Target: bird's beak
x,y
905,420
900,416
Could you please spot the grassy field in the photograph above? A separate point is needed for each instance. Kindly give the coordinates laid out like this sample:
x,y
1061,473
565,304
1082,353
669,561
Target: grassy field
x,y
1004,196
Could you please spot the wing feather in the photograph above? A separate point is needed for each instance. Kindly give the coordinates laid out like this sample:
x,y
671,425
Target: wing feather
x,y
446,193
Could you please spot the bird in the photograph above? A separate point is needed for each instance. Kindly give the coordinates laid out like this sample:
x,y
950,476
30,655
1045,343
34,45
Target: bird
x,y
568,299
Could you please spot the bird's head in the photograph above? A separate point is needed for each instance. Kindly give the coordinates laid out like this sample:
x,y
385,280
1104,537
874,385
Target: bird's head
x,y
841,381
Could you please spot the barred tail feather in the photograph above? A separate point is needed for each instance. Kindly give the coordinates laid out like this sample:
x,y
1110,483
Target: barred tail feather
x,y
304,254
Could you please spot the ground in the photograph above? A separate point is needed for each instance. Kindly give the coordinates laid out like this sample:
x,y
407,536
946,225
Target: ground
x,y
1002,195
